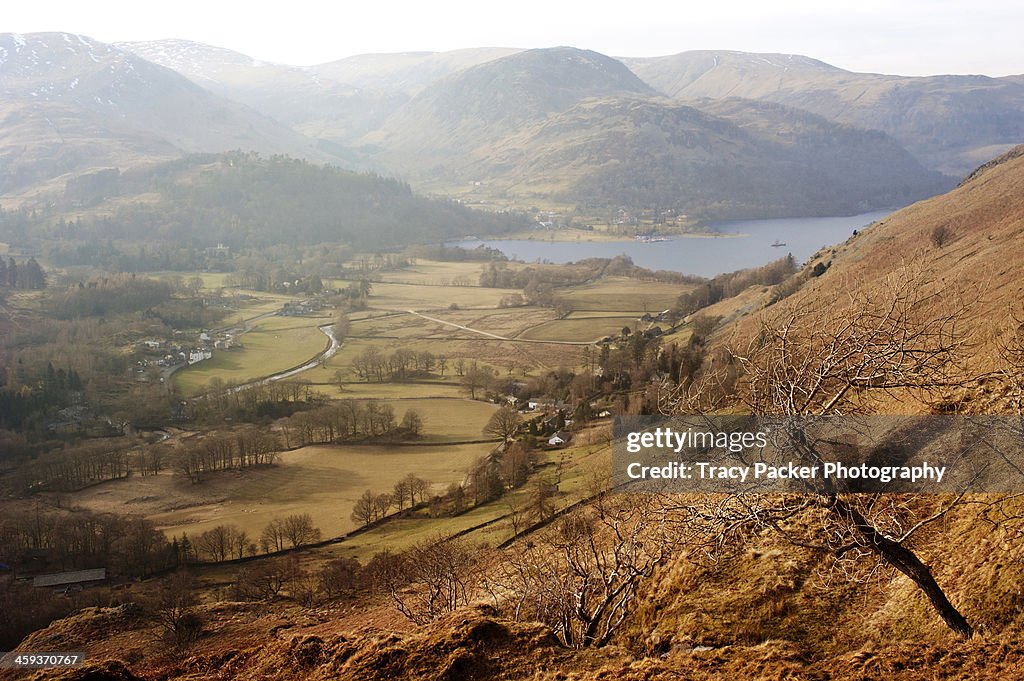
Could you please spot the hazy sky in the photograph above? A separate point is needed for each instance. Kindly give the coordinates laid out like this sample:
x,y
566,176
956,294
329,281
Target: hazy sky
x,y
913,37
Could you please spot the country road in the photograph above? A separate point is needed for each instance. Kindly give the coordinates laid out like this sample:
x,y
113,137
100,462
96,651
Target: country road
x,y
330,351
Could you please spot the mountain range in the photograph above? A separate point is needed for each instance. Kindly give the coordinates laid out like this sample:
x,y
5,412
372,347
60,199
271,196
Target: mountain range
x,y
71,104
950,123
714,134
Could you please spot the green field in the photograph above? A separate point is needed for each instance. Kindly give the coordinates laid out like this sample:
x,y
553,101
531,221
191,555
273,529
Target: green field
x,y
680,336
275,344
621,294
448,419
433,273
254,305
584,329
211,280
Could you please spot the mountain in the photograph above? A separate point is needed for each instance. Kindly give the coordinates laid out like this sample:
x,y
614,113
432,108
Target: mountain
x,y
983,224
727,159
951,123
71,104
581,128
472,108
337,101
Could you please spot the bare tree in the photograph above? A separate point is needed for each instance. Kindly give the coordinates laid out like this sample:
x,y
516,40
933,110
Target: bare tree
x,y
504,423
582,574
541,500
172,607
400,493
835,358
220,542
476,379
412,422
363,511
432,578
418,488
382,504
299,529
273,536
265,579
941,235
341,324
516,462
339,577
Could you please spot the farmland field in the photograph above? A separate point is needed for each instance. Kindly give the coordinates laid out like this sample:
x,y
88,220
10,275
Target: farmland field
x,y
575,470
275,344
577,330
447,419
324,481
621,294
387,296
389,391
433,273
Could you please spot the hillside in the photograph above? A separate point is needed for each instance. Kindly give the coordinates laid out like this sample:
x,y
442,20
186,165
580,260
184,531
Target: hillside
x,y
708,159
243,201
405,72
720,159
73,104
979,260
951,123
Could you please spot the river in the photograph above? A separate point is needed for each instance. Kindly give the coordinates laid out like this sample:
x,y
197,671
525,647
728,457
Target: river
x,y
740,244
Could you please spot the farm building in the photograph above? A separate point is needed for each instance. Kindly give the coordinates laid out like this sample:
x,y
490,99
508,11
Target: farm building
x,y
64,581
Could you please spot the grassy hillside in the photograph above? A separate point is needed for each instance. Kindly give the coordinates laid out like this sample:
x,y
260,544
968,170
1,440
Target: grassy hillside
x,y
967,243
579,128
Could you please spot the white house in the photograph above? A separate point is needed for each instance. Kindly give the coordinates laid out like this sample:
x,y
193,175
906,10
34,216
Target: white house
x,y
558,439
198,355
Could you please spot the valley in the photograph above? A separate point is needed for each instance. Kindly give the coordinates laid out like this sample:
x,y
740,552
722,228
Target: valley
x,y
328,371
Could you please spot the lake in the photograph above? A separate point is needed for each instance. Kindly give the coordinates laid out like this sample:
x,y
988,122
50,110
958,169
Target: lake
x,y
742,244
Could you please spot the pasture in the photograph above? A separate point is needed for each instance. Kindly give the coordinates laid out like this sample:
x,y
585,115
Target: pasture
x,y
621,294
324,481
447,420
274,344
584,329
386,296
